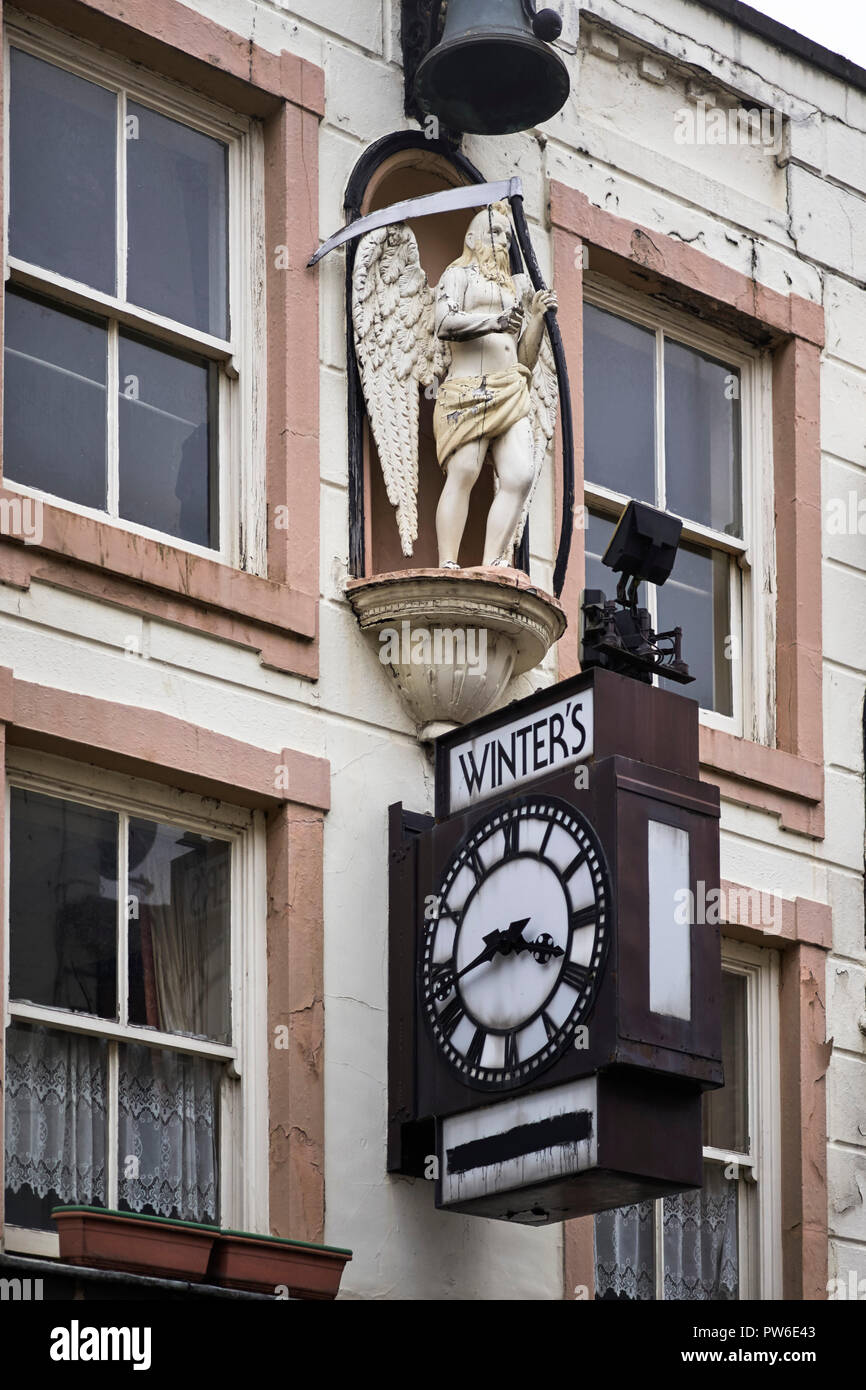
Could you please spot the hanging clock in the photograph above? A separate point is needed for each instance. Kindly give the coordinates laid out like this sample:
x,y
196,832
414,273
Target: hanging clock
x,y
512,960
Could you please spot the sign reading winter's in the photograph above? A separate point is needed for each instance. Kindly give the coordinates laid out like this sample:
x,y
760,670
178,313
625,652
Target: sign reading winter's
x,y
546,740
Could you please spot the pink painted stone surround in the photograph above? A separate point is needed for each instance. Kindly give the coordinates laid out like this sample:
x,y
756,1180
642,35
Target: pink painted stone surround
x,y
144,743
789,778
276,615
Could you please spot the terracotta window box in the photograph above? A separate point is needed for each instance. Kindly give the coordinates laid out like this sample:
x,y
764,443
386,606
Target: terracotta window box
x,y
264,1264
103,1239
154,1245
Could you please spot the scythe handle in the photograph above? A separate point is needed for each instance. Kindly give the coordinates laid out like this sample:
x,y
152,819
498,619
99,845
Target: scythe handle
x,y
565,416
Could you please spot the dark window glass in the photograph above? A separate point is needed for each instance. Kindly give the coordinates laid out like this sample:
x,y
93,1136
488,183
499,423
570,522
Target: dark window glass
x,y
598,533
177,219
726,1111
179,931
63,151
167,475
55,1123
63,904
54,401
696,598
619,404
702,439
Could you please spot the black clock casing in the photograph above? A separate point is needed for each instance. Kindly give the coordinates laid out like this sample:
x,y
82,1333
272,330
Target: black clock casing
x,y
655,777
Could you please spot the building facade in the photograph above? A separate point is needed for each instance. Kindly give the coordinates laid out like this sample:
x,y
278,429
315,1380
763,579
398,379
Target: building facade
x,y
197,733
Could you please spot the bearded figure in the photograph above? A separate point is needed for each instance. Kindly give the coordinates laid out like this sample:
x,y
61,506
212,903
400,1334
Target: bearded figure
x,y
480,342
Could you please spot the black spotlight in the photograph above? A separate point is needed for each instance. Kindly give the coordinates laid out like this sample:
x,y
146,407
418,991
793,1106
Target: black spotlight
x,y
493,71
643,547
617,633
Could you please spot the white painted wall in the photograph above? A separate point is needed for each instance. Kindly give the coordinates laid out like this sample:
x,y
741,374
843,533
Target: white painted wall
x,y
798,231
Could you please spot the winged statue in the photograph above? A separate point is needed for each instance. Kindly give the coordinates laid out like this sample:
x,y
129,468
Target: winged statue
x,y
478,343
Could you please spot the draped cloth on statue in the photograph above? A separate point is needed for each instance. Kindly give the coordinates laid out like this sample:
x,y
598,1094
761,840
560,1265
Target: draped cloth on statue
x,y
470,407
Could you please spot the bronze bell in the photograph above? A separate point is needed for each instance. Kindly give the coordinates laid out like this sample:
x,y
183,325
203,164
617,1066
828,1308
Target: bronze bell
x,y
494,72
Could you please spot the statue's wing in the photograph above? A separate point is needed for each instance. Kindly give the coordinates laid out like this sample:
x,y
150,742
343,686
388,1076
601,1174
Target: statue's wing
x,y
544,396
398,353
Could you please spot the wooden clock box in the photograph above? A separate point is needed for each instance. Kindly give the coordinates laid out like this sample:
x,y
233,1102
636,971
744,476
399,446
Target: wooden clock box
x,y
554,1005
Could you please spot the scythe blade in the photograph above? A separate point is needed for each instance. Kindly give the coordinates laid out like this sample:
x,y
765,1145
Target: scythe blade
x,y
474,195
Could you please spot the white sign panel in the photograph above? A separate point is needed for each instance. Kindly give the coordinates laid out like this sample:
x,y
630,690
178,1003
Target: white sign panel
x,y
670,948
543,741
520,1142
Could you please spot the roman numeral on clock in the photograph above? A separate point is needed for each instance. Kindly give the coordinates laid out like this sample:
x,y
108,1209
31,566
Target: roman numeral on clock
x,y
476,1047
454,913
549,1026
575,864
442,979
576,975
451,1016
512,1059
475,864
511,832
585,917
547,834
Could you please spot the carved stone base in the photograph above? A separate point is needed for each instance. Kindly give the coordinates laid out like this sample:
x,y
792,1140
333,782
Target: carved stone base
x,y
453,639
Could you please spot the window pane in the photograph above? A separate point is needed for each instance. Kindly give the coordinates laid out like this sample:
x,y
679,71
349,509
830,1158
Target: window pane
x,y
62,145
54,433
167,479
700,1240
179,931
55,1143
619,404
702,439
597,538
177,217
726,1112
168,1134
697,598
625,1253
63,904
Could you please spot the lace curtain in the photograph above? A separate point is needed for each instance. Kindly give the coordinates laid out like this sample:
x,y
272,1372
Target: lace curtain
x,y
168,1103
168,1106
55,1114
624,1253
700,1240
699,1245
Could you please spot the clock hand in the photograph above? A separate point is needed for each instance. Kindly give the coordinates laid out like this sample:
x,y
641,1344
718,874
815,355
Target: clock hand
x,y
504,943
513,939
493,943
544,948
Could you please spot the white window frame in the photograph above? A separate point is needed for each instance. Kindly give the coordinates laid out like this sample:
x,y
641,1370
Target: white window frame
x,y
243,1158
752,573
760,1216
759,1220
240,445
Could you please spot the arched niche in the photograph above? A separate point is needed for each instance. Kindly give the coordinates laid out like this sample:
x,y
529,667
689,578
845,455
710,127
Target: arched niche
x,y
406,166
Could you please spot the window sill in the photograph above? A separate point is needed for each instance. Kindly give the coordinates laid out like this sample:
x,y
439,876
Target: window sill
x,y
65,1281
158,1247
768,779
164,581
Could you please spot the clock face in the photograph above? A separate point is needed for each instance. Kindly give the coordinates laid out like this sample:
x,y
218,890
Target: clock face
x,y
510,966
